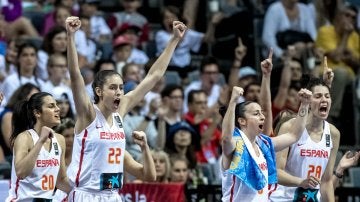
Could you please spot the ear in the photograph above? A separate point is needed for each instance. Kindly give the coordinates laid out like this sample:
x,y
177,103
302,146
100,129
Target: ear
x,y
36,113
241,121
98,91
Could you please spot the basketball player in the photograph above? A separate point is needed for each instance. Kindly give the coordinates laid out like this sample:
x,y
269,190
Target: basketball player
x,y
305,169
99,158
248,159
39,159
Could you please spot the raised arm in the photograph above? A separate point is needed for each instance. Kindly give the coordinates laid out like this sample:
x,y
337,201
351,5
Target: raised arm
x,y
240,53
292,130
84,107
285,80
156,71
265,94
228,126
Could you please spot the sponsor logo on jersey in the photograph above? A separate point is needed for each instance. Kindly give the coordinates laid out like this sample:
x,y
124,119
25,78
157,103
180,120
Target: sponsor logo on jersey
x,y
314,153
112,136
118,120
327,140
47,163
56,148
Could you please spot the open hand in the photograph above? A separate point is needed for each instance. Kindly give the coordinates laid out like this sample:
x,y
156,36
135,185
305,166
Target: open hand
x,y
349,159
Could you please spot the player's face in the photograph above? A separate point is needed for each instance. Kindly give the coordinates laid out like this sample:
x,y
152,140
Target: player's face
x,y
254,118
320,101
50,115
111,92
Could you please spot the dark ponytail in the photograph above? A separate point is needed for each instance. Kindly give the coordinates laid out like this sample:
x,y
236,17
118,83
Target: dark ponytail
x,y
23,115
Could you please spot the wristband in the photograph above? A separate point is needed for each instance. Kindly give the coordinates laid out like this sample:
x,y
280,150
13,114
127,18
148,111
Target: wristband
x,y
338,175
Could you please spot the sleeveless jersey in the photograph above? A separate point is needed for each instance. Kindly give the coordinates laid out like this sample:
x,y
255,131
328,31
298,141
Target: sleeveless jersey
x,y
98,155
234,189
306,158
42,180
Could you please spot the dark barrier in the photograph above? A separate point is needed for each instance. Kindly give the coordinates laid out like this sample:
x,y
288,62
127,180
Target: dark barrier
x,y
348,194
212,193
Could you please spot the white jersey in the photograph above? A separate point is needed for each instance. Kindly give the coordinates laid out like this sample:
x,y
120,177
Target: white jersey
x,y
234,189
42,180
306,158
98,156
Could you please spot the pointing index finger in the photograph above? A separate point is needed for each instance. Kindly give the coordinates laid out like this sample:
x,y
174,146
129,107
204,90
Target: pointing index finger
x,y
270,54
240,41
325,64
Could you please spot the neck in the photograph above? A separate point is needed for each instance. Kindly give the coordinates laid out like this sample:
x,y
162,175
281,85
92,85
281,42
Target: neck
x,y
288,5
26,73
314,124
181,150
172,116
206,88
106,113
250,136
55,82
37,128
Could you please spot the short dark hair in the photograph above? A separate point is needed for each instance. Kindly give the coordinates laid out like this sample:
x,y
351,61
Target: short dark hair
x,y
192,93
166,92
208,60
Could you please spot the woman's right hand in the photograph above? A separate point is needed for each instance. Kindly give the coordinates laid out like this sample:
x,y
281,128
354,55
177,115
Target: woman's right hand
x,y
236,93
45,133
72,24
179,29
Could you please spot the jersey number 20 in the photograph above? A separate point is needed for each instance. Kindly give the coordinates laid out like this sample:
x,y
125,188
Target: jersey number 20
x,y
47,182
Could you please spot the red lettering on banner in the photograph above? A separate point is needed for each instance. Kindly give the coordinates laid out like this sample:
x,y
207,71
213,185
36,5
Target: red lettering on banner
x,y
263,166
314,153
138,192
112,136
47,163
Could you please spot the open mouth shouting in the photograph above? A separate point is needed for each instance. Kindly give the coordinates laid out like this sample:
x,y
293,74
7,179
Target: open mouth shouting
x,y
261,127
117,103
323,109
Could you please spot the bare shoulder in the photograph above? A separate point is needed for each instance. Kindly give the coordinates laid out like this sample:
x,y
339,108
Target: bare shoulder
x,y
60,139
24,138
286,126
335,133
23,142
